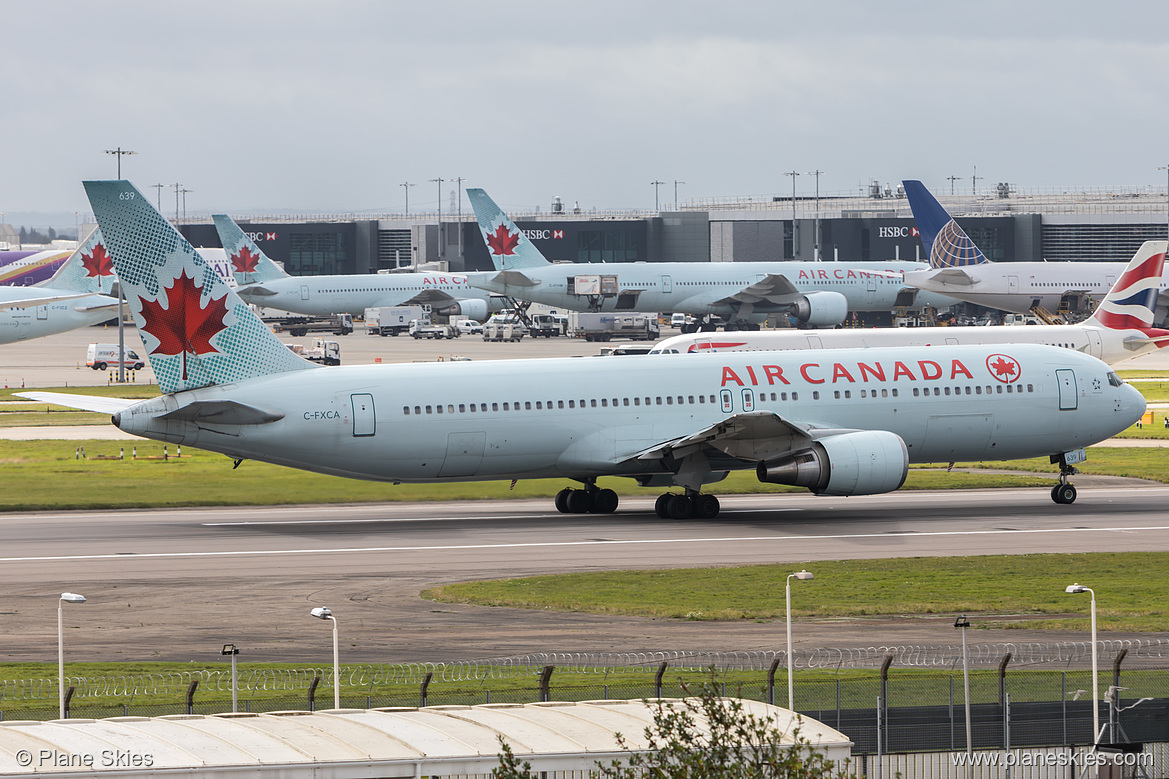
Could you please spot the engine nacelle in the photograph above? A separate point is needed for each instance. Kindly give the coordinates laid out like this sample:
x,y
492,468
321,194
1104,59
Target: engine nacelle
x,y
820,309
868,462
474,309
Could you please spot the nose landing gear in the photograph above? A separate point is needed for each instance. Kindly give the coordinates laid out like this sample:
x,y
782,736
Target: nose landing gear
x,y
1064,493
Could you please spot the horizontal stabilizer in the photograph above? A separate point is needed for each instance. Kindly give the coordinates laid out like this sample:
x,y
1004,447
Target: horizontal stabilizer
x,y
42,301
222,412
83,402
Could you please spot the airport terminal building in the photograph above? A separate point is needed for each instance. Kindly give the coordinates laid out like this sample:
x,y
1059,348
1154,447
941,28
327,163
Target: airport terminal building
x,y
1009,224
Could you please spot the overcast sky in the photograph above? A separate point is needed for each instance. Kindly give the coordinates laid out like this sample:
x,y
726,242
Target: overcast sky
x,y
329,107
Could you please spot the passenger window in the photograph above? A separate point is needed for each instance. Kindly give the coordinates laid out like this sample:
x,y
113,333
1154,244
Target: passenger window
x,y
406,410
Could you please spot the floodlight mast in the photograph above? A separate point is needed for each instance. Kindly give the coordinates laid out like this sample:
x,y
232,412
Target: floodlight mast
x,y
791,689
323,612
66,597
1075,589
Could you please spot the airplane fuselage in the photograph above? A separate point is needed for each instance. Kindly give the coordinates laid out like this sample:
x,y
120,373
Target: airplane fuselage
x,y
352,294
1018,286
701,289
1111,346
584,417
21,324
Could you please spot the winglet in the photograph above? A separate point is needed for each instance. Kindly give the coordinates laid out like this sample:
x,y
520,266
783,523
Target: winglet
x,y
196,330
509,248
1131,304
248,261
944,241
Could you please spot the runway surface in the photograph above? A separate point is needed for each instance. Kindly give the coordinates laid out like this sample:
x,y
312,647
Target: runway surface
x,y
178,584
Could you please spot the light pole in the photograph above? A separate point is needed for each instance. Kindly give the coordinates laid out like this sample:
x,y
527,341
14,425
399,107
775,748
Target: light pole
x,y
952,179
676,183
974,179
794,174
66,597
407,186
439,181
459,184
1073,589
964,623
233,650
1166,169
119,153
158,195
791,689
656,184
322,612
816,237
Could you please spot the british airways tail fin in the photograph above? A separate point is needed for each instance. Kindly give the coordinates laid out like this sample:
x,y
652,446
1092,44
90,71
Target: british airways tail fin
x,y
196,330
510,249
249,264
944,241
88,269
1131,304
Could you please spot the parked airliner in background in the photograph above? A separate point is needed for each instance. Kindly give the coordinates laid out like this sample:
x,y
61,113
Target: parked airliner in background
x,y
25,269
263,283
959,269
817,294
1121,328
846,422
76,296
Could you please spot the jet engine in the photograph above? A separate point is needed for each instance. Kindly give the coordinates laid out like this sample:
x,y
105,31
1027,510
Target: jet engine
x,y
868,462
820,309
475,309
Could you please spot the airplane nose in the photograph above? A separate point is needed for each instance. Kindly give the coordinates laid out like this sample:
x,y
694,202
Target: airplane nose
x,y
1131,404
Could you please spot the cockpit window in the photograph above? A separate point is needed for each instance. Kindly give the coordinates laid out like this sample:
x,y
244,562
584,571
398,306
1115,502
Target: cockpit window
x,y
1114,380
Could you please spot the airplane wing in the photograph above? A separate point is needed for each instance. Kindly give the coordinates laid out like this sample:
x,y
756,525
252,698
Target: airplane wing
x,y
510,278
752,436
83,402
955,276
767,289
41,301
431,296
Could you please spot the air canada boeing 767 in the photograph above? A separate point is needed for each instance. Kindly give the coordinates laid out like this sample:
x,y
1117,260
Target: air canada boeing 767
x,y
844,422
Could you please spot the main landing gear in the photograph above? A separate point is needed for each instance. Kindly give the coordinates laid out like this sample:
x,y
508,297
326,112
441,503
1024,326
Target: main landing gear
x,y
687,505
590,500
1064,493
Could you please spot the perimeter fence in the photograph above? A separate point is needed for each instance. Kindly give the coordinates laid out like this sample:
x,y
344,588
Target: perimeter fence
x,y
889,699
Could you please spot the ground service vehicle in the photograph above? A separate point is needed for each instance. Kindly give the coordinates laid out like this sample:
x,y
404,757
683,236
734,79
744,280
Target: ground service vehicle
x,y
467,326
548,325
393,320
602,327
324,352
337,324
102,356
423,328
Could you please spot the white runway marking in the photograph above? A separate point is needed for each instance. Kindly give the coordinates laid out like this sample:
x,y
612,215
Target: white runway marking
x,y
547,544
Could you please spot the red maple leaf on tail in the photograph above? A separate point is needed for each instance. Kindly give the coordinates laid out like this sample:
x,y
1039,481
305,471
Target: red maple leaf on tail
x,y
99,263
184,326
245,261
502,241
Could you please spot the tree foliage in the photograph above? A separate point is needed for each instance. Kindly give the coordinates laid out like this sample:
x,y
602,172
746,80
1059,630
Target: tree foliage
x,y
706,737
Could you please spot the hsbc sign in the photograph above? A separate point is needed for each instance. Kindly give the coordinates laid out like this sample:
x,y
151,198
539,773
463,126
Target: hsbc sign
x,y
543,235
260,237
897,232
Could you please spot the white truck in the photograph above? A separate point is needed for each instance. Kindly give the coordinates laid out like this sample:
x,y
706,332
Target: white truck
x,y
322,351
393,320
605,326
504,327
548,325
422,328
102,356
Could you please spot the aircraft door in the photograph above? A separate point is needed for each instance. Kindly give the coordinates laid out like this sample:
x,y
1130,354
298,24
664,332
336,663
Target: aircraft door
x,y
464,453
363,418
1095,348
748,400
727,400
814,342
667,284
1012,285
42,312
1066,379
304,291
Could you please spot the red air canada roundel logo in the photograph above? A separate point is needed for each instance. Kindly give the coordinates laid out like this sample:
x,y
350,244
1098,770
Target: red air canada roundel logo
x,y
184,325
98,263
1003,368
245,261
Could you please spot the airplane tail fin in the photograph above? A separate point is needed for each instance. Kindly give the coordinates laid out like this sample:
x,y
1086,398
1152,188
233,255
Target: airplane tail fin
x,y
88,269
510,249
196,330
1131,304
944,241
248,261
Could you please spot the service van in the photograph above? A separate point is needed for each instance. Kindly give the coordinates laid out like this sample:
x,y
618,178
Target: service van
x,y
102,356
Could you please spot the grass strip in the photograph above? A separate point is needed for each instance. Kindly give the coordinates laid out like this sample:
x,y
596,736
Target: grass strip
x,y
1024,586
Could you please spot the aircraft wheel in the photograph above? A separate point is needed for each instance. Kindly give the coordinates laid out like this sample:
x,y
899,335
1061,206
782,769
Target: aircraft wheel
x,y
561,501
706,506
1064,494
605,502
660,505
579,502
680,507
